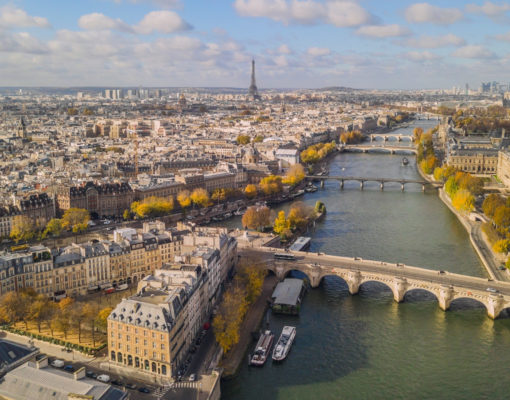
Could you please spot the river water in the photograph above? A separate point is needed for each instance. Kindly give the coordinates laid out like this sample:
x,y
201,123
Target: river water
x,y
367,346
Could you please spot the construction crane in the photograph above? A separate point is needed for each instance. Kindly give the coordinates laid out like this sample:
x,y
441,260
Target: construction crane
x,y
135,137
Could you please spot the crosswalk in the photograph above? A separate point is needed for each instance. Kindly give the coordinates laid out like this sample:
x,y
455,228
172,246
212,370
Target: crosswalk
x,y
163,390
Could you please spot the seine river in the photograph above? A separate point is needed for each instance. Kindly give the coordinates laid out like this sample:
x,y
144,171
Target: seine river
x,y
367,346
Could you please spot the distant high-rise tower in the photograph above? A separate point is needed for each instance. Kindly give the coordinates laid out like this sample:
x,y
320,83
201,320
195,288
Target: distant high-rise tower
x,y
253,91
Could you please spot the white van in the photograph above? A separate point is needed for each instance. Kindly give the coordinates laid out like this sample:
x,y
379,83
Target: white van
x,y
57,363
103,378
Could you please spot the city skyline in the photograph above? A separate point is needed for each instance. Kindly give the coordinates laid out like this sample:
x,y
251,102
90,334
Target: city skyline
x,y
296,44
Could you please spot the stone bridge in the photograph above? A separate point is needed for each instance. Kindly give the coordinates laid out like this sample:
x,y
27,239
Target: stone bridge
x,y
366,148
362,181
401,279
388,136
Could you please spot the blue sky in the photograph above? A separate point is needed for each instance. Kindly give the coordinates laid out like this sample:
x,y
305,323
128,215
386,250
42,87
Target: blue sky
x,y
296,43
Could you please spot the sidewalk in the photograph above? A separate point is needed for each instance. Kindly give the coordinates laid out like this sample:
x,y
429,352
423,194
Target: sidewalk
x,y
250,324
50,349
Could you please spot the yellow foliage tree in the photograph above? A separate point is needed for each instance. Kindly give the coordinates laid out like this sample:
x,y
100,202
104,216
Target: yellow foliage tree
x,y
256,217
295,174
250,191
271,184
281,225
463,201
184,199
76,219
152,207
23,228
200,197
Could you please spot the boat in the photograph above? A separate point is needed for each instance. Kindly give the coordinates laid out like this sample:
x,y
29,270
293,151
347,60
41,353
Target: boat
x,y
405,161
262,349
239,211
282,347
228,215
311,188
298,193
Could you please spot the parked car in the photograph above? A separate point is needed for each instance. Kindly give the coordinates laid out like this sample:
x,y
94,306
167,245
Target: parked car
x,y
192,377
492,290
57,363
69,368
91,374
103,378
116,383
143,390
130,386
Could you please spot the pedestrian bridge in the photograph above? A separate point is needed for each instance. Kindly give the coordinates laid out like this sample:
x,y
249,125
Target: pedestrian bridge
x,y
401,279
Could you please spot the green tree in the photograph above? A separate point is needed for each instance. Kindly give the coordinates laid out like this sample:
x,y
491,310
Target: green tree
x,y
54,227
451,186
243,139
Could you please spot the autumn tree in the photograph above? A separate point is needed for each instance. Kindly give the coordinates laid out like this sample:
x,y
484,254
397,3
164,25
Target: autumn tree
x,y
152,207
200,197
271,184
53,227
299,214
23,228
256,217
258,139
40,311
243,139
463,201
294,175
501,246
491,203
351,137
250,191
502,217
101,320
76,219
282,225
417,132
126,215
219,195
184,199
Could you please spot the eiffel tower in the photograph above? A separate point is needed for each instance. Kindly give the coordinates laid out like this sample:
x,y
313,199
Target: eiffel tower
x,y
253,92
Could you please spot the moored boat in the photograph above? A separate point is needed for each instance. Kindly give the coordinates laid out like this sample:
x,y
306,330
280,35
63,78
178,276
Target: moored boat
x,y
262,349
405,161
282,347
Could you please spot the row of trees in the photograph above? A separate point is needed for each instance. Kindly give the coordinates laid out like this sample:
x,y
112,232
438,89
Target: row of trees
x,y
317,152
425,150
246,287
497,209
351,137
298,217
74,219
462,187
64,317
478,119
245,139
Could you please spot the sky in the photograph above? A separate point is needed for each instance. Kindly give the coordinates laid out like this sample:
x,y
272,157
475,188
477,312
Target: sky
x,y
379,44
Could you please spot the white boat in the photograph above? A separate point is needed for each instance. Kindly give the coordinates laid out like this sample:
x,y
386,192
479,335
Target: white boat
x,y
282,348
311,189
262,349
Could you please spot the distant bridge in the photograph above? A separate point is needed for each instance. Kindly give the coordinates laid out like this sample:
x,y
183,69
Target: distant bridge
x,y
366,148
387,136
362,181
400,278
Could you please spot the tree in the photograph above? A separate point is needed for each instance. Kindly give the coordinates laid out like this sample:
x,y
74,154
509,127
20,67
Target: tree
x,y
11,308
256,217
463,201
102,318
184,199
53,227
295,174
281,225
299,214
250,191
89,315
153,207
219,195
22,228
417,132
501,246
200,197
77,317
451,186
76,219
39,311
126,215
502,217
491,203
243,139
271,184
258,139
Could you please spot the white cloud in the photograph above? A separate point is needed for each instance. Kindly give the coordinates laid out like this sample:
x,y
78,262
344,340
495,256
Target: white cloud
x,y
160,3
425,12
434,42
491,10
21,42
100,22
505,37
156,21
318,51
383,31
473,51
336,12
162,21
421,56
284,49
12,17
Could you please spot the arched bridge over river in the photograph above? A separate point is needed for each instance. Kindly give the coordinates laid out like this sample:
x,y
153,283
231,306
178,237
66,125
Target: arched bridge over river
x,y
445,286
362,180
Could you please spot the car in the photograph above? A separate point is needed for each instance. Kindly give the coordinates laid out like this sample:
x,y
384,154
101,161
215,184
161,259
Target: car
x,y
492,290
130,386
192,377
144,390
502,267
441,272
103,378
116,383
69,368
57,363
91,374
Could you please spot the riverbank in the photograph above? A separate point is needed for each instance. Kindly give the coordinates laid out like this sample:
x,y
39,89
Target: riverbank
x,y
251,323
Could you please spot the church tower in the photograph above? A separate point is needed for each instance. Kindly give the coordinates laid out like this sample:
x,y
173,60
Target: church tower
x,y
21,129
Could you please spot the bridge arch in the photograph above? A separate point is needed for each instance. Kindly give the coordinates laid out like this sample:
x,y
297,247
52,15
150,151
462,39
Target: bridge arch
x,y
467,303
343,281
420,294
380,284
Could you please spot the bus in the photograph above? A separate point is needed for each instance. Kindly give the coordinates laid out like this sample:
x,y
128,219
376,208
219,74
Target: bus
x,y
284,256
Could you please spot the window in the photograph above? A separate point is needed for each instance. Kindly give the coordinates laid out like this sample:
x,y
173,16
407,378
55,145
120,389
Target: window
x,y
112,356
162,346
